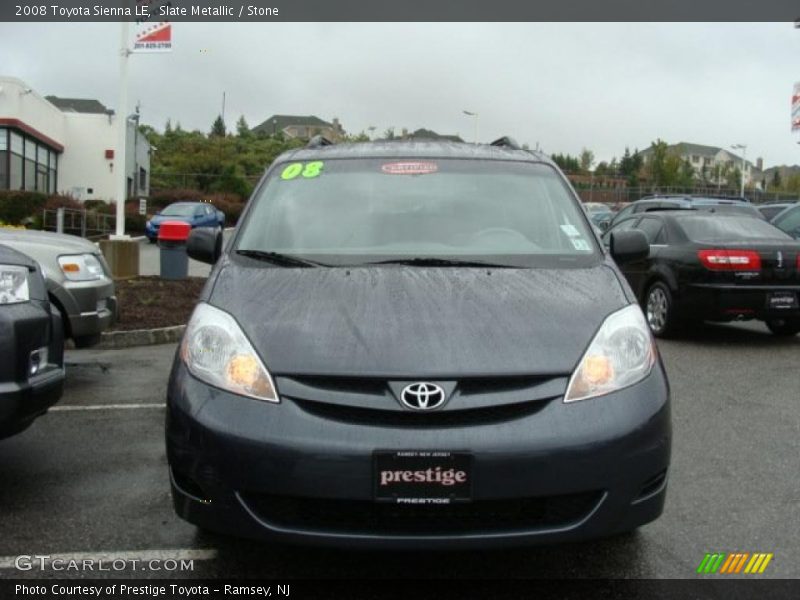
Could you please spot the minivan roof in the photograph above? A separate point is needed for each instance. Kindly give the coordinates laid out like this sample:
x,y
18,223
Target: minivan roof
x,y
415,149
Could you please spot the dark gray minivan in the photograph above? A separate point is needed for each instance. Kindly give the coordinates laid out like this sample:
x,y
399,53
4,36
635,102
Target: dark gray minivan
x,y
417,344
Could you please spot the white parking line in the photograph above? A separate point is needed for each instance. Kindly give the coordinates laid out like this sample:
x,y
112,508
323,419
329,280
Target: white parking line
x,y
145,556
105,407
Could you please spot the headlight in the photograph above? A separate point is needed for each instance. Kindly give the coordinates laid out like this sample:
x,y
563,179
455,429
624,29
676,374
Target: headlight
x,y
215,350
13,284
621,354
80,267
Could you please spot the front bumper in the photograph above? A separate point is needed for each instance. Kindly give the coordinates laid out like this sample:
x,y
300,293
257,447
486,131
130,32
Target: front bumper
x,y
24,328
91,306
566,472
721,302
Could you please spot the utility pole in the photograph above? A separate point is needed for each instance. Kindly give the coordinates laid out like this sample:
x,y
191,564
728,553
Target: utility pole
x,y
122,130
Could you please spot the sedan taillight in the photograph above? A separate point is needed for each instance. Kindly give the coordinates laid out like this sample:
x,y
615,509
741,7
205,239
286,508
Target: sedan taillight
x,y
730,260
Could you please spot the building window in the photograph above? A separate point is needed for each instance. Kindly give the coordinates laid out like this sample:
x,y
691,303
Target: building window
x,y
15,172
26,164
30,164
3,170
142,179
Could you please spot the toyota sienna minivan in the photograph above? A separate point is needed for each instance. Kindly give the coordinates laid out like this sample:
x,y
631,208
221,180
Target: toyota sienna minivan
x,y
410,344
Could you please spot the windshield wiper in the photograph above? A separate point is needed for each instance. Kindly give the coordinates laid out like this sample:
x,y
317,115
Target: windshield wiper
x,y
283,260
432,261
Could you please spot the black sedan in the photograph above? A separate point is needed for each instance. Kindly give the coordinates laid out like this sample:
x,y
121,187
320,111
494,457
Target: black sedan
x,y
715,267
788,220
31,344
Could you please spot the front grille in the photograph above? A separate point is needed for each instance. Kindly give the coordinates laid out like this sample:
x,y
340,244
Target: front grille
x,y
366,517
433,419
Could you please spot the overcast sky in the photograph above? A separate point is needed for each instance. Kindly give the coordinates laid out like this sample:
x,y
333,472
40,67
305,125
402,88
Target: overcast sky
x,y
564,86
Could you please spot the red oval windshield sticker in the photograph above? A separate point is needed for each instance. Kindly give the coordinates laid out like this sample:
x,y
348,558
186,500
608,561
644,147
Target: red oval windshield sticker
x,y
409,168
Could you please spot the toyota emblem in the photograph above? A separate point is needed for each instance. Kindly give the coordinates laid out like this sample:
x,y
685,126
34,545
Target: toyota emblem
x,y
422,396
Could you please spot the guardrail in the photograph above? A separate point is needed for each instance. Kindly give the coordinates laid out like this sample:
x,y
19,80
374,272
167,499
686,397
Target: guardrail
x,y
85,223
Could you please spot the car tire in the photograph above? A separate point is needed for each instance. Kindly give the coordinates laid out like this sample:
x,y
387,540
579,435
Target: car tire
x,y
784,327
658,309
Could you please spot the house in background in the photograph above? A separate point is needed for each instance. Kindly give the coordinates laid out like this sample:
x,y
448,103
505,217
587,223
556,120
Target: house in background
x,y
710,163
301,127
65,145
428,134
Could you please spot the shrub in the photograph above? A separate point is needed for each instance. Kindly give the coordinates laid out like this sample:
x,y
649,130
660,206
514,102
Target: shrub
x,y
17,207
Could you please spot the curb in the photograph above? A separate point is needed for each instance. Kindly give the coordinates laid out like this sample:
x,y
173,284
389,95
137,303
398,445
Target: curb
x,y
112,340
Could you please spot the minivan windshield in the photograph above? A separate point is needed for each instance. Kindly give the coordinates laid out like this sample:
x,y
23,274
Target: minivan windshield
x,y
357,211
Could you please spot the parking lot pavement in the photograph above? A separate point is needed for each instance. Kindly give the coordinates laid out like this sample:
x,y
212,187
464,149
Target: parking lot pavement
x,y
90,478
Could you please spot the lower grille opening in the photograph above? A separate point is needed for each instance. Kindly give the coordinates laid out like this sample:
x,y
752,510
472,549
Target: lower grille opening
x,y
652,485
189,487
366,517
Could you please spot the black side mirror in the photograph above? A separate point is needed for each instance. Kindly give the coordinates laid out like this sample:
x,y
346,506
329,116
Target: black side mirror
x,y
627,246
204,244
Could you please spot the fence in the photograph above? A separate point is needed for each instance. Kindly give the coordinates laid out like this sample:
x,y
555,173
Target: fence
x,y
85,223
616,195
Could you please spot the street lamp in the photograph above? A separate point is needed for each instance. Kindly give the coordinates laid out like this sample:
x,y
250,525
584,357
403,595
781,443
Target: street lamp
x,y
473,114
743,148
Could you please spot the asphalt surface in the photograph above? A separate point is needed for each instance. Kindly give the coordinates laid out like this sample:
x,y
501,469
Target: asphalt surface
x,y
90,478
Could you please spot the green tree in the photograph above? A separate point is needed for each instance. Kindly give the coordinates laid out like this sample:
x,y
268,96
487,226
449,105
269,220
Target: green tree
x,y
733,178
776,180
242,128
389,134
630,165
586,160
218,127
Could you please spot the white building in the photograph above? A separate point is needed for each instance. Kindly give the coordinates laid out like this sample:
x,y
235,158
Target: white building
x,y
65,145
710,163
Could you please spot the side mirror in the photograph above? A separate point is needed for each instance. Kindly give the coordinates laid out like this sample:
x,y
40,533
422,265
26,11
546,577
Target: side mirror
x,y
628,246
204,245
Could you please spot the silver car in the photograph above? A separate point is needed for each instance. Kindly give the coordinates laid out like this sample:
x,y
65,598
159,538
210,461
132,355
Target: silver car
x,y
78,280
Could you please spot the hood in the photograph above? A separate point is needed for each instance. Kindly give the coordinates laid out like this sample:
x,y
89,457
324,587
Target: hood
x,y
407,322
31,241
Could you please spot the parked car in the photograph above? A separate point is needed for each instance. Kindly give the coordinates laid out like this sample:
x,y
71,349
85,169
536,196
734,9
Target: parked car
x,y
600,214
31,344
788,220
79,282
197,214
715,268
417,344
721,204
772,210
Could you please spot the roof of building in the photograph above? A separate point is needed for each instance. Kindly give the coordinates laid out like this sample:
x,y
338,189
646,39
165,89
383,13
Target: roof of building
x,y
79,105
281,122
429,134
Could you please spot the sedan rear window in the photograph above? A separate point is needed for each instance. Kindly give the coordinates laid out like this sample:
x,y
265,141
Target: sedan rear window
x,y
416,208
727,228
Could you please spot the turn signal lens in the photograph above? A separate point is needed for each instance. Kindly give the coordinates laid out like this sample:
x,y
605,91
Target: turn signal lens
x,y
730,260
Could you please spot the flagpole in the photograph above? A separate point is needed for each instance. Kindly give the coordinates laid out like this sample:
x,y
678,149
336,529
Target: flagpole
x,y
122,131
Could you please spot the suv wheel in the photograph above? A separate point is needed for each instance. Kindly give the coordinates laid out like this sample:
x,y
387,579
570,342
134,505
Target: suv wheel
x,y
658,309
787,327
